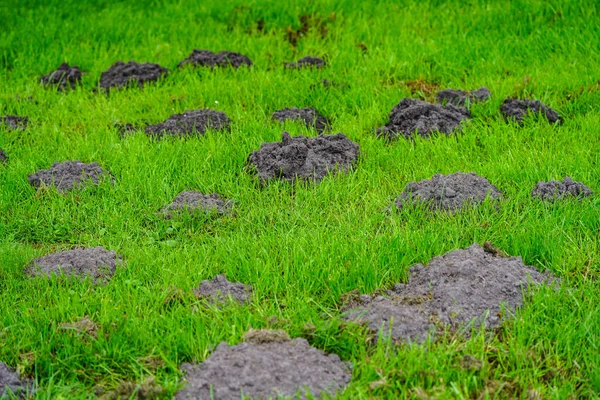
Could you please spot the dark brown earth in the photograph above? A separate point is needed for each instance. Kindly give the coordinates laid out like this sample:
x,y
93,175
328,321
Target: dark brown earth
x,y
191,122
307,62
12,385
206,58
310,117
65,77
553,190
14,122
460,98
219,290
69,175
517,110
196,201
122,74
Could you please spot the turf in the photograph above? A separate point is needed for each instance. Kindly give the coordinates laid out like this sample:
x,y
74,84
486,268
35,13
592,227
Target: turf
x,y
300,247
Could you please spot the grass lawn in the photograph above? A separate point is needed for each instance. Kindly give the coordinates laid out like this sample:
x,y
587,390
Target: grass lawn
x,y
301,247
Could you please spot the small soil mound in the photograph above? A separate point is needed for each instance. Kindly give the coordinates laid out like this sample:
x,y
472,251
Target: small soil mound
x,y
14,122
459,97
122,74
189,123
307,62
3,157
514,109
196,201
219,290
265,369
304,158
206,58
69,175
553,190
411,116
310,117
97,263
11,384
64,77
449,192
457,288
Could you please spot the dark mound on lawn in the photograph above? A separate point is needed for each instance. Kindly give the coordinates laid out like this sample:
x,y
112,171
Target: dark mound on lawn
x,y
306,62
63,78
14,122
553,190
310,117
196,201
220,289
304,158
206,58
11,384
460,97
412,116
517,110
69,175
267,365
189,123
457,288
3,157
449,192
97,263
122,74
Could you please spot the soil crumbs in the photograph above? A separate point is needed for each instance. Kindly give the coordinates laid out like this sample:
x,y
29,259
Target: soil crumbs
x,y
189,123
553,190
11,384
460,98
514,109
412,116
206,58
196,201
304,158
97,263
122,74
263,368
219,290
310,117
449,192
69,175
457,288
307,62
64,77
14,122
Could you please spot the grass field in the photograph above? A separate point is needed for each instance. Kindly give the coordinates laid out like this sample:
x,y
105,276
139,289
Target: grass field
x,y
301,247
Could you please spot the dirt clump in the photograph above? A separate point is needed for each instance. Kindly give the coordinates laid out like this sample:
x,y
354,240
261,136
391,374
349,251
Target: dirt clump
x,y
14,122
306,62
11,384
449,192
196,201
553,190
412,116
219,290
146,390
265,369
517,110
125,129
206,58
122,74
460,97
69,175
310,117
191,122
63,78
3,157
260,336
457,288
304,158
97,263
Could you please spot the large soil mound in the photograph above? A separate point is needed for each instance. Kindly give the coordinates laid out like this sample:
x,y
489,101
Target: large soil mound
x,y
14,122
310,117
206,58
122,74
196,201
220,289
189,123
69,175
307,62
460,98
553,190
64,77
265,368
411,116
304,158
457,288
97,263
514,109
11,384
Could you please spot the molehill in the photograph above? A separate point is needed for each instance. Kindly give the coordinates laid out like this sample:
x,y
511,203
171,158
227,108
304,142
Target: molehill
x,y
553,190
517,110
64,77
11,384
122,74
189,123
69,175
219,290
14,122
310,117
206,58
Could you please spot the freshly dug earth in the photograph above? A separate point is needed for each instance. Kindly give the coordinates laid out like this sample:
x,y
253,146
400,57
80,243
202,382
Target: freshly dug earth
x,y
455,289
449,192
307,62
3,157
10,383
97,263
310,117
69,175
515,109
459,97
206,58
304,158
220,289
412,116
265,368
553,190
197,201
122,74
189,123
14,122
64,77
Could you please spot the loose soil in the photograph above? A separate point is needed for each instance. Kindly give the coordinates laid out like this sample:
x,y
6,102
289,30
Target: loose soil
x,y
219,290
460,98
553,190
122,74
191,122
517,110
196,201
63,78
11,384
206,58
307,62
310,117
14,122
69,175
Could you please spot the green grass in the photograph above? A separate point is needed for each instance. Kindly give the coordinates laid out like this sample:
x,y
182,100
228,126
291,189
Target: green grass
x,y
300,247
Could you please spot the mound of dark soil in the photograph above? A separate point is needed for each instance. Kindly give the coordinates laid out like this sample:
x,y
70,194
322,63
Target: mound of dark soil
x,y
64,77
11,384
310,117
14,122
304,158
122,74
69,175
196,201
514,109
220,289
189,123
412,116
3,157
457,288
97,263
268,366
557,190
206,58
307,62
459,97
